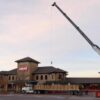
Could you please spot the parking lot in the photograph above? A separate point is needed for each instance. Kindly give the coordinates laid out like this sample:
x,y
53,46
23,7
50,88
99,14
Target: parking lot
x,y
45,97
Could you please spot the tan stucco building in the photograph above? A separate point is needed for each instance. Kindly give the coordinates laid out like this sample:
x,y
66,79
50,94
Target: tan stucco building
x,y
29,72
46,78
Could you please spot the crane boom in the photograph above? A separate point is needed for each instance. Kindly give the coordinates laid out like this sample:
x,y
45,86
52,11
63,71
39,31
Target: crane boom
x,y
94,46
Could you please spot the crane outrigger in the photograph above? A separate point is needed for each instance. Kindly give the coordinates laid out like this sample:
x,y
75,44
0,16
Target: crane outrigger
x,y
94,46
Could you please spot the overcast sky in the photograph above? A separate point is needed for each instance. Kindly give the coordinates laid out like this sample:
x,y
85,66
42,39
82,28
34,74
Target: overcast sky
x,y
36,29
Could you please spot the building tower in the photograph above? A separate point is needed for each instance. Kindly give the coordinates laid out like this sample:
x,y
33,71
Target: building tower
x,y
25,68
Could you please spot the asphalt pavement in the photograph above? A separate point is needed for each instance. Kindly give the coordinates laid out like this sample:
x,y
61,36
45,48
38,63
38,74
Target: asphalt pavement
x,y
45,97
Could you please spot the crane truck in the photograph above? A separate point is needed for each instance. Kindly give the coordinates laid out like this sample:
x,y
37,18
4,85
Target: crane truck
x,y
94,46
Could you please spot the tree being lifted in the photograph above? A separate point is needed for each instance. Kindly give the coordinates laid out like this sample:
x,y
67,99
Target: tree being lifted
x,y
94,46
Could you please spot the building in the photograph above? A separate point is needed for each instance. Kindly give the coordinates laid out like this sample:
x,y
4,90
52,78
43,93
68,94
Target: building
x,y
47,79
28,72
86,83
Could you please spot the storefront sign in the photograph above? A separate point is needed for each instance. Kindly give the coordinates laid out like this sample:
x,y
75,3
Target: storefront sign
x,y
23,68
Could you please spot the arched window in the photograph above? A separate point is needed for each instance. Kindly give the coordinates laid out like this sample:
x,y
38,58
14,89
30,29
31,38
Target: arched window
x,y
9,78
41,77
12,77
37,77
60,76
46,77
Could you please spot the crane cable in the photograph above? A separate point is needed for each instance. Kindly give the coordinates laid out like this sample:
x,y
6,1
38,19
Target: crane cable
x,y
51,36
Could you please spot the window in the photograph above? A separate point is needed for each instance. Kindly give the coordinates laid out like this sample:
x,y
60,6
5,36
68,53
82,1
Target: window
x,y
60,76
12,77
52,76
46,77
37,77
9,78
41,77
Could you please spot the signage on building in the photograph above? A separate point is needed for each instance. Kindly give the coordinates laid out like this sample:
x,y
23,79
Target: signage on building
x,y
23,68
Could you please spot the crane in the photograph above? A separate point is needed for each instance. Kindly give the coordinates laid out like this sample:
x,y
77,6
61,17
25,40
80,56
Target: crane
x,y
94,46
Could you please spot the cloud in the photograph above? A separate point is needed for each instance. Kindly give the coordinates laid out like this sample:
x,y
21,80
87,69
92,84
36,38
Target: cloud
x,y
30,27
